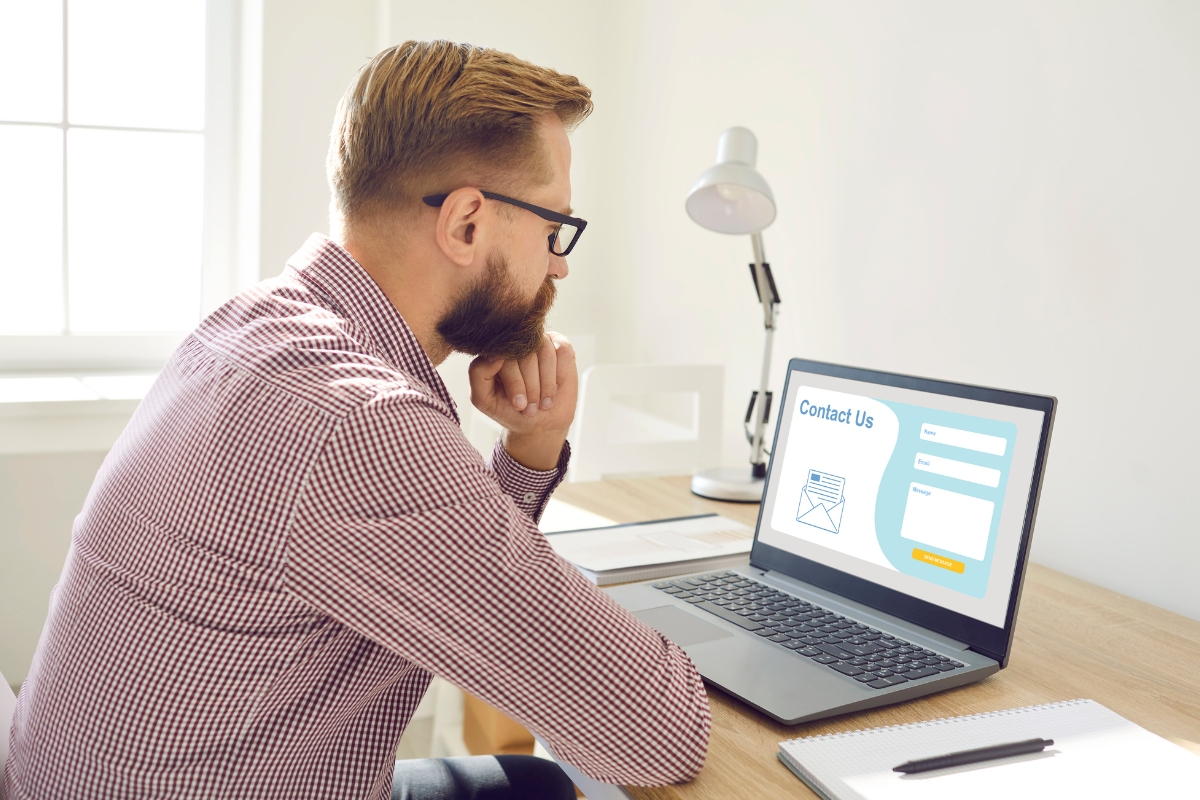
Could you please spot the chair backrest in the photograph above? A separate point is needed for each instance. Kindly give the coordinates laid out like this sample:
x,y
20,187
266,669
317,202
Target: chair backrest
x,y
647,419
8,705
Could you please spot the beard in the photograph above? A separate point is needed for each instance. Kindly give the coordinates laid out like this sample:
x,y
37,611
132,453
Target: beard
x,y
492,319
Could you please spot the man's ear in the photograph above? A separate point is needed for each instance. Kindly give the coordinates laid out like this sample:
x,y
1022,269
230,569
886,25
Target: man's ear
x,y
458,225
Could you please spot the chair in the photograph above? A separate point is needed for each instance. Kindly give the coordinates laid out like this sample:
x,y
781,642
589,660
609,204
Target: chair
x,y
8,705
647,419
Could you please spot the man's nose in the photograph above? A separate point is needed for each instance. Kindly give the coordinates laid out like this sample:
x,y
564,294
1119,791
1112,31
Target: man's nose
x,y
558,267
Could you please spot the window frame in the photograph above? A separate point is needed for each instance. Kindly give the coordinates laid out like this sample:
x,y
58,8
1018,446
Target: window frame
x,y
229,249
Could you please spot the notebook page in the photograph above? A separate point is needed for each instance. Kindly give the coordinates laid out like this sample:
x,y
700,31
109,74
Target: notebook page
x,y
1096,753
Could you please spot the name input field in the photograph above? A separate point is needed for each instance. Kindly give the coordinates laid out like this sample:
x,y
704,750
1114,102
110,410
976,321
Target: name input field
x,y
948,467
968,440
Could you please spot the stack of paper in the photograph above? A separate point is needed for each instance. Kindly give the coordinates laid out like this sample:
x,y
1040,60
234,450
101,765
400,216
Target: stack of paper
x,y
643,551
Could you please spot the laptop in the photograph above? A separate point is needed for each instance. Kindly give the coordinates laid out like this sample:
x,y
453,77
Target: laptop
x,y
890,549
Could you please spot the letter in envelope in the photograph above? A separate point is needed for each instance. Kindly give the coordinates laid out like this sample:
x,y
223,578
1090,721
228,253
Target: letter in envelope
x,y
822,501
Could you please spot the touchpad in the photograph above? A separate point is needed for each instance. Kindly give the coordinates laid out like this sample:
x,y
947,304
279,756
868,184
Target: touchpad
x,y
679,626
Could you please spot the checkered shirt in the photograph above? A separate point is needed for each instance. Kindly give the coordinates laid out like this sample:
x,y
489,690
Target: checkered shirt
x,y
289,539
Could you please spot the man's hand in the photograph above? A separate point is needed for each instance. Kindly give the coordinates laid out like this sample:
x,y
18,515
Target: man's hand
x,y
533,400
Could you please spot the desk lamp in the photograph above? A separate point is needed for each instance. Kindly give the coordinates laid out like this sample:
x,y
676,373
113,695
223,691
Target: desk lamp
x,y
732,198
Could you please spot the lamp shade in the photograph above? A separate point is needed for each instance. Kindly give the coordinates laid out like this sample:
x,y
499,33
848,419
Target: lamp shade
x,y
731,197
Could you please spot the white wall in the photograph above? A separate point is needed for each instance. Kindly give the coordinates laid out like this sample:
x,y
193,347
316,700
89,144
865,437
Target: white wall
x,y
39,498
1003,194
311,50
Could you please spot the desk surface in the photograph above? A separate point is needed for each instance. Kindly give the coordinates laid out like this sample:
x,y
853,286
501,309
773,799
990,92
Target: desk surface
x,y
1074,639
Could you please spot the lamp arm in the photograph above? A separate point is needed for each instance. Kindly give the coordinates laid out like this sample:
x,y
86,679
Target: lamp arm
x,y
767,295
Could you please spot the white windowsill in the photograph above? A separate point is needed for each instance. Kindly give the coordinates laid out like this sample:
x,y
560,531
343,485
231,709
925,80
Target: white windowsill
x,y
66,413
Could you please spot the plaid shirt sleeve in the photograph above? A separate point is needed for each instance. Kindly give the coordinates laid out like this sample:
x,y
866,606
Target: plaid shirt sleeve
x,y
443,565
530,489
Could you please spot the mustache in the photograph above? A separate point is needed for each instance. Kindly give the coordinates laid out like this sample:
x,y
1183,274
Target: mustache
x,y
492,320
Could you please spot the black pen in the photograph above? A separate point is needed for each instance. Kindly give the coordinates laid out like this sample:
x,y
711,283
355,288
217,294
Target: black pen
x,y
975,756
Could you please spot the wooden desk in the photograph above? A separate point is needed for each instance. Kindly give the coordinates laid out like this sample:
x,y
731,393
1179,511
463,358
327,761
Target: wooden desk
x,y
1074,639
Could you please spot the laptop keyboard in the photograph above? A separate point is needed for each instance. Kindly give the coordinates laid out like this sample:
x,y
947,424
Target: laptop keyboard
x,y
854,649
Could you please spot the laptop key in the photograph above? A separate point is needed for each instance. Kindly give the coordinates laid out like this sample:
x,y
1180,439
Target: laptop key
x,y
923,672
792,644
729,616
940,667
825,659
779,637
662,585
809,651
866,677
835,651
846,669
883,683
859,649
765,632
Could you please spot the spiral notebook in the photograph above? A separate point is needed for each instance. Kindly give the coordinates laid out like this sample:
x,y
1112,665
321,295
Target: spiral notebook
x,y
1096,753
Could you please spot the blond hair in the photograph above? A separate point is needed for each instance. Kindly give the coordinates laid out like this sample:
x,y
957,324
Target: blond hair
x,y
423,117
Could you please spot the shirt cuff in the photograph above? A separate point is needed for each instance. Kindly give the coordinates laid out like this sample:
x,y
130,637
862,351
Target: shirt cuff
x,y
529,488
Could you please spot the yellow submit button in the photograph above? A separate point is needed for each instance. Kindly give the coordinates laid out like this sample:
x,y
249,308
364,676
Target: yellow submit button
x,y
938,561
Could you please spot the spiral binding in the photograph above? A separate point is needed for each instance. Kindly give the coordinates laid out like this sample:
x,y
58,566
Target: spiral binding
x,y
939,721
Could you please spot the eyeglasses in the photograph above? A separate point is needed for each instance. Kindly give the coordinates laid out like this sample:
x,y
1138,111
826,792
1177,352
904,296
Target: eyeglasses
x,y
561,241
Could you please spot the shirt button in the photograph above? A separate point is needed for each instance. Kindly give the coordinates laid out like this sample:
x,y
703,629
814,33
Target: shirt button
x,y
530,497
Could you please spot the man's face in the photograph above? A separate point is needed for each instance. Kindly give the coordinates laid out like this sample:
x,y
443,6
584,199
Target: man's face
x,y
503,313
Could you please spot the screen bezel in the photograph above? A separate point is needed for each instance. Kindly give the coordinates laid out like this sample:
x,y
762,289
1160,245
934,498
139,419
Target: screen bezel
x,y
987,639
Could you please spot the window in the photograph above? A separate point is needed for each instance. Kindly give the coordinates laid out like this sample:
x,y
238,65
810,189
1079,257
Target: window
x,y
116,130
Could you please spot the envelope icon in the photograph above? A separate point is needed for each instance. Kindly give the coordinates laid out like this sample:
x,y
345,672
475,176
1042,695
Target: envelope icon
x,y
820,514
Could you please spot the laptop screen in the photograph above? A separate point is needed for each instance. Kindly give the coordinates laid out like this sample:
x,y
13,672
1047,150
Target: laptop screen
x,y
919,492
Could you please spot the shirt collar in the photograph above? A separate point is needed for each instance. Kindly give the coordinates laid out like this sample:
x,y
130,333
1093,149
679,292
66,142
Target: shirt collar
x,y
329,269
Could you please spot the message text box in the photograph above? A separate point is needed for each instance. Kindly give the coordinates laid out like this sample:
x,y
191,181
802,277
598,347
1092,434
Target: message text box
x,y
947,520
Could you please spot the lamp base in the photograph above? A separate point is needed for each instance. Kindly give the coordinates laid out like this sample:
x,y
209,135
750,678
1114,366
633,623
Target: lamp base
x,y
736,484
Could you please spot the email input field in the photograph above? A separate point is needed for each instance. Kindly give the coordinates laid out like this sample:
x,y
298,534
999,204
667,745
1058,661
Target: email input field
x,y
948,467
968,440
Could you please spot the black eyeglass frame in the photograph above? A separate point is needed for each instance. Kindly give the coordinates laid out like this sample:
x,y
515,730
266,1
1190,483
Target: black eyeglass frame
x,y
436,200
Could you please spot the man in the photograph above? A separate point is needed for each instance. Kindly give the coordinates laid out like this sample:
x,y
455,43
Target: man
x,y
292,536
